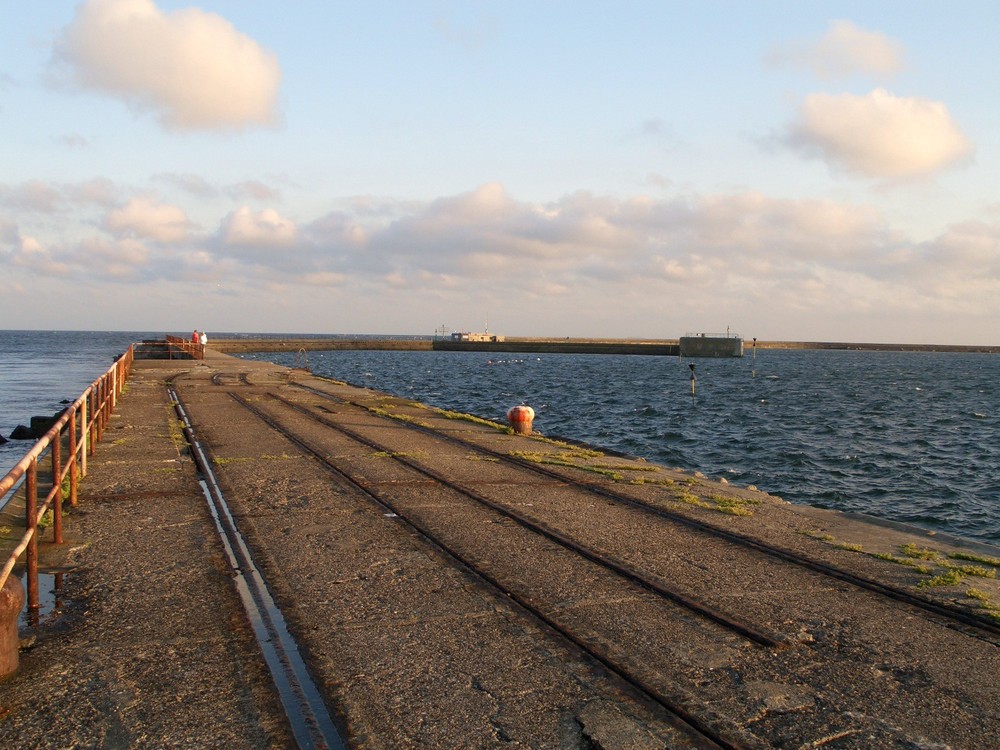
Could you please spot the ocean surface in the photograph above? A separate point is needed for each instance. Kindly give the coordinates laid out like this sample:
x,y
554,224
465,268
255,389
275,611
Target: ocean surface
x,y
911,437
39,369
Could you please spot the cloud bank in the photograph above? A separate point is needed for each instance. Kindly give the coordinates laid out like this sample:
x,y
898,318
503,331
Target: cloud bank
x,y
588,264
193,69
145,218
794,254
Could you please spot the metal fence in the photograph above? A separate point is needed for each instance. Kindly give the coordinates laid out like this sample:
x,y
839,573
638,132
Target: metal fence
x,y
47,483
171,347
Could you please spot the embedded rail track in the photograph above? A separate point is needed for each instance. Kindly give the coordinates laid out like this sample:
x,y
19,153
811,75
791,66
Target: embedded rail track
x,y
964,620
422,495
704,729
311,724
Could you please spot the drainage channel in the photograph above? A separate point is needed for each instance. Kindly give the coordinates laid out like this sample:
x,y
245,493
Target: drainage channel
x,y
310,721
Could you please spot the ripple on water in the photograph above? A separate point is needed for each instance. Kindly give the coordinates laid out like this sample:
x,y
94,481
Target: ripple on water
x,y
889,433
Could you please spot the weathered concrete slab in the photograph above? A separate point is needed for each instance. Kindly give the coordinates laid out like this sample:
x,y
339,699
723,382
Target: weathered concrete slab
x,y
150,647
410,649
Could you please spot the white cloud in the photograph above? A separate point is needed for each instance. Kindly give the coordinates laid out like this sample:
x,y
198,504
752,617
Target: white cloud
x,y
72,140
960,267
194,69
33,195
120,259
144,217
49,198
100,191
189,183
845,49
880,135
262,229
253,190
324,279
29,253
465,24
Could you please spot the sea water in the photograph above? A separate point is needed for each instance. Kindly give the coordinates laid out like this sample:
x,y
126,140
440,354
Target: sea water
x,y
911,437
39,370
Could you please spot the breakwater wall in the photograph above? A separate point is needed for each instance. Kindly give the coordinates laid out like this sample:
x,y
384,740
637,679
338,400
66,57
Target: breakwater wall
x,y
563,346
238,346
660,347
511,344
867,347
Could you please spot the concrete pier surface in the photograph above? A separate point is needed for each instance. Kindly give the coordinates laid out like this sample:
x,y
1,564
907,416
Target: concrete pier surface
x,y
452,585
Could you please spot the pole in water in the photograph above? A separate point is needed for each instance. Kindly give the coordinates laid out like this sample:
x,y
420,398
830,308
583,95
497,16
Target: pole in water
x,y
693,379
753,367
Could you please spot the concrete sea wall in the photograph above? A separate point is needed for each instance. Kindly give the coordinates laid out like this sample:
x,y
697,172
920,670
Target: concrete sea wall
x,y
660,347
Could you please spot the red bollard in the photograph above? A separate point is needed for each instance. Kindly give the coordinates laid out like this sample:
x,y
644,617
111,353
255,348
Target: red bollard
x,y
11,603
521,418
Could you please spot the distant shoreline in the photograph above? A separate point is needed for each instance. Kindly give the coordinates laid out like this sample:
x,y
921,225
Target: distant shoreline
x,y
661,347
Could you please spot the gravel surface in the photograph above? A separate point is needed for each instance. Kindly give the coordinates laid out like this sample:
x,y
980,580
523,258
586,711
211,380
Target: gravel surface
x,y
151,649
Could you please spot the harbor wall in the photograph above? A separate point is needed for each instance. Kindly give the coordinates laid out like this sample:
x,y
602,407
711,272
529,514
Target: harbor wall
x,y
711,346
661,347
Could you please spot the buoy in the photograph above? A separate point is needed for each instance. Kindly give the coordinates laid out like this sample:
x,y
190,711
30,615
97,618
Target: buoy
x,y
521,418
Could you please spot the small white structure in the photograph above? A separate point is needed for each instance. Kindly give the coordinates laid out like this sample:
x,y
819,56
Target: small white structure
x,y
468,336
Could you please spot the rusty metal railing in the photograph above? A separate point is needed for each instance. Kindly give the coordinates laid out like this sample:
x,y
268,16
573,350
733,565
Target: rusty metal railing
x,y
77,431
186,348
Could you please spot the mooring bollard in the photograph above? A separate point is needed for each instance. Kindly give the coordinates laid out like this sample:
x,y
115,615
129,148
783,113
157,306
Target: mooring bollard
x,y
11,603
521,418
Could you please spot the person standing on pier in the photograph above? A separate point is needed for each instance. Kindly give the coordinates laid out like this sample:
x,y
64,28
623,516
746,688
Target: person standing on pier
x,y
203,340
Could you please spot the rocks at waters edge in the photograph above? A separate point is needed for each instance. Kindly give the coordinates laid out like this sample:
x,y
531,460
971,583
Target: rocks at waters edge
x,y
21,432
39,426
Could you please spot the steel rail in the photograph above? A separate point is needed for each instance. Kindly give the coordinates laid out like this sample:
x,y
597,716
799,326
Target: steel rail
x,y
962,620
308,716
761,636
707,731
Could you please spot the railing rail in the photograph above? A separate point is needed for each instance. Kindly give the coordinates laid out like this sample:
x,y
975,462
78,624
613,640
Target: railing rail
x,y
188,347
81,427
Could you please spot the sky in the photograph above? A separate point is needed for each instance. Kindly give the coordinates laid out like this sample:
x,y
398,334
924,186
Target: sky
x,y
819,171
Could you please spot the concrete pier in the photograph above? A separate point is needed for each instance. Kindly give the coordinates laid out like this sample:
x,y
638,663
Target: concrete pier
x,y
429,566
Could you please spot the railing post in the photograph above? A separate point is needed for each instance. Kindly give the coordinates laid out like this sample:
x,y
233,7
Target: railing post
x,y
84,434
57,535
31,521
99,414
92,420
72,457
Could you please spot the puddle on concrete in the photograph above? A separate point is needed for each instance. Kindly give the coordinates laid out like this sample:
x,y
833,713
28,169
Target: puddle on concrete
x,y
50,599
